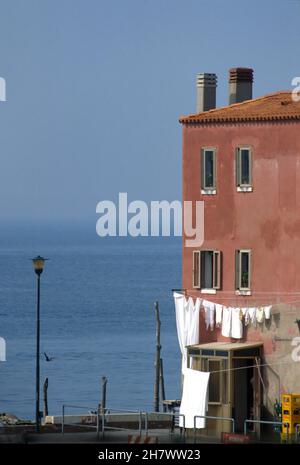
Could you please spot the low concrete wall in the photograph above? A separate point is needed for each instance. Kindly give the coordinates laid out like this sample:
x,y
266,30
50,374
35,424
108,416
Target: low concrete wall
x,y
117,420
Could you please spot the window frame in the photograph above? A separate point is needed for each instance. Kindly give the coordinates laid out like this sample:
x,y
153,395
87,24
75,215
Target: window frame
x,y
238,269
223,380
244,187
208,189
196,269
216,269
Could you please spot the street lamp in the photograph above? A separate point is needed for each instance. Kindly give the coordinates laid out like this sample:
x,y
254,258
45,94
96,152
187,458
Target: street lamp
x,y
38,265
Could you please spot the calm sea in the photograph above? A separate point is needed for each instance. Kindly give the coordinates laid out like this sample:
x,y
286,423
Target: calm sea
x,y
97,318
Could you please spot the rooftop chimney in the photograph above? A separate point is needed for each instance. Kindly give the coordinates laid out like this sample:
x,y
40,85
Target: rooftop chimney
x,y
240,84
206,91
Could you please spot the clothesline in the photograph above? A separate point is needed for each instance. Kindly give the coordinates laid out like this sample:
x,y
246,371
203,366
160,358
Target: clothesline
x,y
253,366
256,292
234,298
230,319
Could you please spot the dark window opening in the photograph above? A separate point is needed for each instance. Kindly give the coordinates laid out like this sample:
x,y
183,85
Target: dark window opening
x,y
207,270
208,169
243,167
243,269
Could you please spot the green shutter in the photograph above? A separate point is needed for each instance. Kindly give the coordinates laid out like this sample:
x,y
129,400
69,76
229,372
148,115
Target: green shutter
x,y
238,166
217,269
250,167
196,269
215,170
237,269
202,169
249,269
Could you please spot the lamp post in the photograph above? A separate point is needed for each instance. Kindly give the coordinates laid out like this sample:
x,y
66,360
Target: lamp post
x,y
38,265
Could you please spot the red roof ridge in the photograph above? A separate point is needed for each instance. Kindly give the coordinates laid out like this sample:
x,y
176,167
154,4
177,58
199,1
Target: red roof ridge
x,y
239,104
248,110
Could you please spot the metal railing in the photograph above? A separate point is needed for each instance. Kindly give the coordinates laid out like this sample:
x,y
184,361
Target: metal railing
x,y
102,418
123,413
265,422
208,417
81,407
173,416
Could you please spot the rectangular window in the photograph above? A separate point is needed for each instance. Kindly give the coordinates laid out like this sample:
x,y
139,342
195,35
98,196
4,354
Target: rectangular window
x,y
207,269
243,270
208,169
243,167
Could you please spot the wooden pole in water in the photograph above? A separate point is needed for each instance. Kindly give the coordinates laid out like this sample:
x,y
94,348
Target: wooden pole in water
x,y
157,362
45,390
162,384
104,384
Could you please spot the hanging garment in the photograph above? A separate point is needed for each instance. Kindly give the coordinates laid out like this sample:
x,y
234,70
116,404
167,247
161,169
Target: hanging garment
x,y
247,317
260,315
241,314
194,398
219,311
267,312
252,315
192,322
187,323
209,308
226,322
236,323
232,325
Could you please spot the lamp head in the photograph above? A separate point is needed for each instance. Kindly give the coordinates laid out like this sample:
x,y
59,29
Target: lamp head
x,y
38,264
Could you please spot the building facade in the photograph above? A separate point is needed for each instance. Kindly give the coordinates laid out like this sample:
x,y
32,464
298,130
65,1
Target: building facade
x,y
243,161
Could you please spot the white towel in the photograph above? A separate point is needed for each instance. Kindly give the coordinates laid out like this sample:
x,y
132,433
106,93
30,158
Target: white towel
x,y
209,308
219,311
232,325
236,324
194,398
187,322
226,322
260,315
246,315
267,312
252,315
192,322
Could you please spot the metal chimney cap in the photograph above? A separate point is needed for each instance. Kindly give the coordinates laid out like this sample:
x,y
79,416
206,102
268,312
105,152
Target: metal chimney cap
x,y
206,80
241,74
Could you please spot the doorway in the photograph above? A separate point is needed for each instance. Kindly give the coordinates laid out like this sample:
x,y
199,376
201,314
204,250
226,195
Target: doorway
x,y
244,385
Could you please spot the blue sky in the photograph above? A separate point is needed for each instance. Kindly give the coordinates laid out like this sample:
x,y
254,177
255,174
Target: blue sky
x,y
95,89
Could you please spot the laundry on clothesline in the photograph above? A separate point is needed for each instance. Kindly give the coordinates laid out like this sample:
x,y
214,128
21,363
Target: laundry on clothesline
x,y
209,309
230,320
219,313
227,318
194,400
187,323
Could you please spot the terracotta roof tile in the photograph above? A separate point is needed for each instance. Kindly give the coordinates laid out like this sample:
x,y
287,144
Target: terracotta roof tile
x,y
272,107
